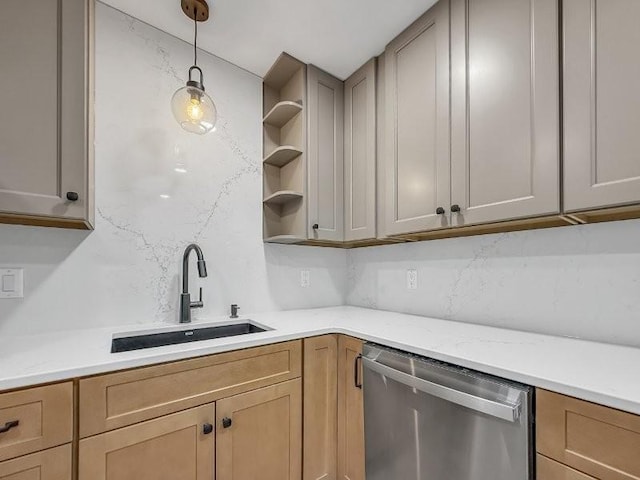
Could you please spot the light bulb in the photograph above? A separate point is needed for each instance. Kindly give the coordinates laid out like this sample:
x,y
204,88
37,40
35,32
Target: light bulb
x,y
194,110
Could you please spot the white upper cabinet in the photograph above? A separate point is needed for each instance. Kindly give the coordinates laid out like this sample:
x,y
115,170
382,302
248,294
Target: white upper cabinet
x,y
417,167
325,103
601,103
505,160
360,153
46,138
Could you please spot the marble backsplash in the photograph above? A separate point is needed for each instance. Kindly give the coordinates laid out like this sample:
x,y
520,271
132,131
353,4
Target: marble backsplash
x,y
579,281
157,190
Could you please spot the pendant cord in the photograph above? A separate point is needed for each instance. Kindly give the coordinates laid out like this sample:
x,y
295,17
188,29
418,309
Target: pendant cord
x,y
195,37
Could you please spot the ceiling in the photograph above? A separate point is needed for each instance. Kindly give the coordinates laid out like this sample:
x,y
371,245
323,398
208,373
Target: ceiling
x,y
336,35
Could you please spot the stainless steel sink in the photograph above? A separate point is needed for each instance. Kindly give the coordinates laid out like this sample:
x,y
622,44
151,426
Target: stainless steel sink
x,y
159,339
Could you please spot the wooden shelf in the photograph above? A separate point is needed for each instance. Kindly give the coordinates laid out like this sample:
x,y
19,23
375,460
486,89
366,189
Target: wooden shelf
x,y
284,239
282,71
281,113
282,196
282,155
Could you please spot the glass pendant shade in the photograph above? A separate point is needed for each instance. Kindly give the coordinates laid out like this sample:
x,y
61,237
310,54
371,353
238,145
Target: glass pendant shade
x,y
193,108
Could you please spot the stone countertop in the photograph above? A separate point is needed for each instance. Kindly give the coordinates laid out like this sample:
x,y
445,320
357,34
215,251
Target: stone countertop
x,y
597,372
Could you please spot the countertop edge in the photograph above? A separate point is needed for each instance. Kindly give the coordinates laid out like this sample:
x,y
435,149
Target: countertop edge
x,y
68,374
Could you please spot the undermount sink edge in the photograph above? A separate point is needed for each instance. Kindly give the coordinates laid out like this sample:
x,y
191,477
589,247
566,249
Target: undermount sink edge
x,y
139,340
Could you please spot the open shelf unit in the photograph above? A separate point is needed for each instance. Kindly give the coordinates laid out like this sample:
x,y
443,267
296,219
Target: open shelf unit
x,y
284,138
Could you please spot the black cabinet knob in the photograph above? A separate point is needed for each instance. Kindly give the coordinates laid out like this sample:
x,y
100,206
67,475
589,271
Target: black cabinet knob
x,y
455,208
72,196
207,428
315,226
226,422
439,211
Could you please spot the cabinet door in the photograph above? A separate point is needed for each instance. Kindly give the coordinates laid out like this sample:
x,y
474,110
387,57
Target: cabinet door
x,y
360,153
167,448
53,464
45,92
601,103
326,149
417,163
259,434
320,384
600,441
350,411
505,110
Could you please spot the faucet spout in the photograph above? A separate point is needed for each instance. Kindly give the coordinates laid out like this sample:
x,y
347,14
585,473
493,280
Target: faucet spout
x,y
185,298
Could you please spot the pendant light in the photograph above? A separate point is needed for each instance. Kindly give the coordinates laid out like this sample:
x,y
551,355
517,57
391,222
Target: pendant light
x,y
192,107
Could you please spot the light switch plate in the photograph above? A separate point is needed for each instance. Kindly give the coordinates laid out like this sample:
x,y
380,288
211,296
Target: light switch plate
x,y
11,283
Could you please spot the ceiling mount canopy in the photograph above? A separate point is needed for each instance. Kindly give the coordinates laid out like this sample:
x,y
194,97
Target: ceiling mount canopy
x,y
191,106
197,10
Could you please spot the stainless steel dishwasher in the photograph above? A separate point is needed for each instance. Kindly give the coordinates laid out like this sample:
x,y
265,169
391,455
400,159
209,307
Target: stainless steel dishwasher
x,y
427,420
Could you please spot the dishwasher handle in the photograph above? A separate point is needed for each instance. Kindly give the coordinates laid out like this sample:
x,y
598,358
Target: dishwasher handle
x,y
357,367
496,409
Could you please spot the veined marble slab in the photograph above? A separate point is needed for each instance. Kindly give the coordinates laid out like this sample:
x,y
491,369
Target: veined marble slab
x,y
597,372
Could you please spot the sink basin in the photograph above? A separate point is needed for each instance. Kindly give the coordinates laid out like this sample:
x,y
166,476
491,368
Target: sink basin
x,y
159,339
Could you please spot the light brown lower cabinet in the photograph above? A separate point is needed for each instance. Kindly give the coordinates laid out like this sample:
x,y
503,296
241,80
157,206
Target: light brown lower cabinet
x,y
350,410
172,447
601,442
52,464
119,399
40,418
320,404
259,434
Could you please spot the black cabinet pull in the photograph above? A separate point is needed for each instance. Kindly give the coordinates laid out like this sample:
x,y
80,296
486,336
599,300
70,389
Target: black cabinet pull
x,y
455,208
207,428
439,211
72,196
356,371
226,422
315,226
9,425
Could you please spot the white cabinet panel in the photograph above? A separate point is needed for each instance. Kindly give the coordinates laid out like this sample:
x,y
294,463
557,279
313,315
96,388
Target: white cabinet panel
x,y
417,176
325,154
46,140
360,153
601,103
505,160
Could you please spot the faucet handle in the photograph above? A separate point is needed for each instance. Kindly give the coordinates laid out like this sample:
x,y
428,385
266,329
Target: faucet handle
x,y
234,310
199,303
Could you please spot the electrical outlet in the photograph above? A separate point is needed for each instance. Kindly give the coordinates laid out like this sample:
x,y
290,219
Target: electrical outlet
x,y
11,283
305,278
412,279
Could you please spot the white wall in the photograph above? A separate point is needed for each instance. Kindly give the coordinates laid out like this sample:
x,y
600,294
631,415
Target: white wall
x,y
577,281
581,281
128,269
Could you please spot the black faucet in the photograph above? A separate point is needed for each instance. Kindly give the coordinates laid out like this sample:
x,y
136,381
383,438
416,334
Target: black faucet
x,y
185,298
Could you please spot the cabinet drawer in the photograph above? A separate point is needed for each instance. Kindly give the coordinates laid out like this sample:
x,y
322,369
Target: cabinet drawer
x,y
44,416
123,398
599,441
53,464
548,469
